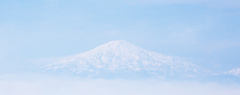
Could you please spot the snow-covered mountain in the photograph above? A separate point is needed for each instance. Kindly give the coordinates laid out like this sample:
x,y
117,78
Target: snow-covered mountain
x,y
121,58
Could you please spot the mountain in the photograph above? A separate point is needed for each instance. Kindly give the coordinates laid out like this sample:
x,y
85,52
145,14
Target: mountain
x,y
121,58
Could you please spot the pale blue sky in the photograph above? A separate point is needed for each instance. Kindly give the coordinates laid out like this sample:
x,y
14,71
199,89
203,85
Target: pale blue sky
x,y
204,32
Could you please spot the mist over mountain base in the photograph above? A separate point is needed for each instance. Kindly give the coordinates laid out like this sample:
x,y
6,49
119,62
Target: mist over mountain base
x,y
146,75
40,84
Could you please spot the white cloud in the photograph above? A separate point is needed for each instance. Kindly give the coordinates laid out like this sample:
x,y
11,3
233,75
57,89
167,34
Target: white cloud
x,y
235,72
66,85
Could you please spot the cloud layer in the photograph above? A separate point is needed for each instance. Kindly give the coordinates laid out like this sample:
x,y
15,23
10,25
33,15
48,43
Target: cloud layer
x,y
45,85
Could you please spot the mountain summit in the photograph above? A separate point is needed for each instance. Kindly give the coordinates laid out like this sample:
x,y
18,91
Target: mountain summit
x,y
122,58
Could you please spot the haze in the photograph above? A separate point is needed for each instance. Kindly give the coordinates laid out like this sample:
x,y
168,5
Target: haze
x,y
36,33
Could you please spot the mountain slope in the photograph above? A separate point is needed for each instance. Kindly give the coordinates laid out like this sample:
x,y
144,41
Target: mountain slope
x,y
123,57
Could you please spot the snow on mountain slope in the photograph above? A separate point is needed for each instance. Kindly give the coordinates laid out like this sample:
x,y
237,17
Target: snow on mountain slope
x,y
122,56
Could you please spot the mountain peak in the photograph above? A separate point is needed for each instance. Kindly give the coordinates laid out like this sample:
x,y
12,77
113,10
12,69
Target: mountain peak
x,y
117,46
117,43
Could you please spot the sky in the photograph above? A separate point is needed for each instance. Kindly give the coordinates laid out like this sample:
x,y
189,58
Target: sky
x,y
35,33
